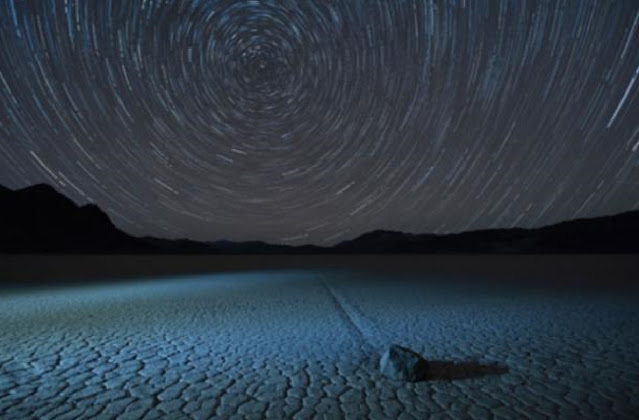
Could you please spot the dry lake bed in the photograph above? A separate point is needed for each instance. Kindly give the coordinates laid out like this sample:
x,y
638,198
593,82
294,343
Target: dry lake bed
x,y
506,337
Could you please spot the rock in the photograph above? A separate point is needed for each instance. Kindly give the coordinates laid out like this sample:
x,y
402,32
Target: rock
x,y
403,364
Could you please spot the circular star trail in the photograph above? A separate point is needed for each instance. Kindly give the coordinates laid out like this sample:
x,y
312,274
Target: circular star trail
x,y
315,121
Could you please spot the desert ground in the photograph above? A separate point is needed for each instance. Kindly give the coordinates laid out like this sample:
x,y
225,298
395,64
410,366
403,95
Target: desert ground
x,y
300,337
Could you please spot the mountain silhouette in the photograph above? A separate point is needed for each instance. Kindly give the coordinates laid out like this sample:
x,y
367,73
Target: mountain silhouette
x,y
38,219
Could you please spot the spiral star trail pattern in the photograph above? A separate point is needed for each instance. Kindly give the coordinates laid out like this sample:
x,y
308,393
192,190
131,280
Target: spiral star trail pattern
x,y
315,121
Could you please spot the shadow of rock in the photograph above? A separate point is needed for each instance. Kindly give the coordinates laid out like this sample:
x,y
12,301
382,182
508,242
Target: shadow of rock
x,y
441,370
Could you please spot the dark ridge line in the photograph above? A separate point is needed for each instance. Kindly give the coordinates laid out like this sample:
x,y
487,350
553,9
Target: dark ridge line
x,y
67,228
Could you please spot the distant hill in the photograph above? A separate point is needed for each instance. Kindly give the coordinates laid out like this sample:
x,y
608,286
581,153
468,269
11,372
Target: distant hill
x,y
38,219
609,234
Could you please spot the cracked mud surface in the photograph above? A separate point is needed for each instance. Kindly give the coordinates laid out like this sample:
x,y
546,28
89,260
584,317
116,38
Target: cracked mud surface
x,y
304,344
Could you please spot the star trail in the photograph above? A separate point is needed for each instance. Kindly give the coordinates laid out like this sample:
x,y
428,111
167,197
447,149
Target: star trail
x,y
315,121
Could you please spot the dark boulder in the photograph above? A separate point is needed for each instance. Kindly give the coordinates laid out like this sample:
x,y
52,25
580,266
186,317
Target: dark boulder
x,y
403,364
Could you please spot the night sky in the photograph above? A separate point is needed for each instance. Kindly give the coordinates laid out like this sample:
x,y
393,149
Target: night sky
x,y
316,121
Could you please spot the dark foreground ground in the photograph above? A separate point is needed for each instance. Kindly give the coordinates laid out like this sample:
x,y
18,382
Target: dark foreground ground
x,y
279,337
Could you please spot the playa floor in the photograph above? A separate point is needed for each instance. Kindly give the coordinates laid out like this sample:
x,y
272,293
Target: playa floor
x,y
306,344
